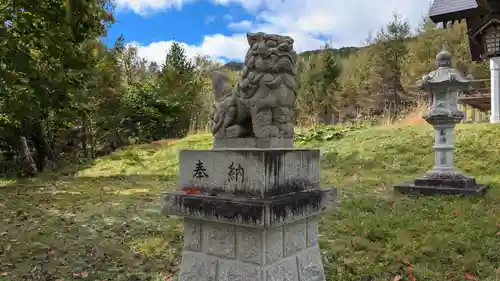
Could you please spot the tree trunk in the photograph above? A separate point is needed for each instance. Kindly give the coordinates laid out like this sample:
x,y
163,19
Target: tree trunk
x,y
28,166
328,115
87,143
42,147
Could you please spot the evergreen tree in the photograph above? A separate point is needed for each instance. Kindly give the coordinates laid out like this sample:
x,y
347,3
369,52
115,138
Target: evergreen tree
x,y
390,50
178,87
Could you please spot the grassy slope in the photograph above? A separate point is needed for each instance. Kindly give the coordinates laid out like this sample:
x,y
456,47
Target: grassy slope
x,y
104,223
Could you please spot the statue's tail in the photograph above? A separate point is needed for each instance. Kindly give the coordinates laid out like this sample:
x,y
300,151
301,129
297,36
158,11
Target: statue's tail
x,y
220,85
218,120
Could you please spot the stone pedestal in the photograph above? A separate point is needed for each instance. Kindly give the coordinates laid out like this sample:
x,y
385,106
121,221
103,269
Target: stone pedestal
x,y
250,214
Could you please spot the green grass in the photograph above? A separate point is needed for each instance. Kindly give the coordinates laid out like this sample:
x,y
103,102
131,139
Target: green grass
x,y
104,222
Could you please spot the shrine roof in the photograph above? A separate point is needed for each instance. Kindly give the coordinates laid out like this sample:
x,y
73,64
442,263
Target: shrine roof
x,y
452,10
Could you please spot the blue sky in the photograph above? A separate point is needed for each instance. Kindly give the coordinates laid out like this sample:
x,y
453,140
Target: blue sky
x,y
188,24
217,28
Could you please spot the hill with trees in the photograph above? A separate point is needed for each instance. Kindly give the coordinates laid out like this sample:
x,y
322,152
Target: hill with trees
x,y
343,52
65,97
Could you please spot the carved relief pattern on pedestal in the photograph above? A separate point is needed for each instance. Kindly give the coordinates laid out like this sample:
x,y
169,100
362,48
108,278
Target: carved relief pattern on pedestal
x,y
231,271
250,245
219,240
311,266
284,271
197,268
274,245
312,232
295,237
192,235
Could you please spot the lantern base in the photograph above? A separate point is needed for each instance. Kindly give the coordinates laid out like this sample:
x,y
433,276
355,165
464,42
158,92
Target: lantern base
x,y
429,190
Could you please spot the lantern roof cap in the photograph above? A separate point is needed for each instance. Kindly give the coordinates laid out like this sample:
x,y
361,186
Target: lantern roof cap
x,y
445,74
444,58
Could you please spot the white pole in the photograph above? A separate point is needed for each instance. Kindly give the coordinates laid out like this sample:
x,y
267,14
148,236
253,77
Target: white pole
x,y
495,90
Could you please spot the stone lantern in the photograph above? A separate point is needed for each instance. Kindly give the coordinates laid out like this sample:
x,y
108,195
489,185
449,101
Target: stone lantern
x,y
443,86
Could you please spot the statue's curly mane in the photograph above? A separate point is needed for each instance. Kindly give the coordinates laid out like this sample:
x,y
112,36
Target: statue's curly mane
x,y
268,53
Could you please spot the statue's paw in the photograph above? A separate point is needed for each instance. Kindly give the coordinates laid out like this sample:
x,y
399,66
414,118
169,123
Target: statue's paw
x,y
235,131
287,131
269,131
219,134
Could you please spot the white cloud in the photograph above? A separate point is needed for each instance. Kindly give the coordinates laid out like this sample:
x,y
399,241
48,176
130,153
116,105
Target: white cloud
x,y
347,23
216,46
249,5
146,7
242,25
209,19
156,51
344,23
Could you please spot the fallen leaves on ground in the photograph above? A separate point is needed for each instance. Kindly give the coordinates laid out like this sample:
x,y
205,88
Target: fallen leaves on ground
x,y
469,276
166,276
409,270
83,274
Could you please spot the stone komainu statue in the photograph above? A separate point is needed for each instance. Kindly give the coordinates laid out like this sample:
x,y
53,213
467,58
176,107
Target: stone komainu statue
x,y
262,103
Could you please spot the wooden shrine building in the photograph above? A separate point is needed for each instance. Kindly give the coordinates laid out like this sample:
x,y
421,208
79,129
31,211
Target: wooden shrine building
x,y
482,18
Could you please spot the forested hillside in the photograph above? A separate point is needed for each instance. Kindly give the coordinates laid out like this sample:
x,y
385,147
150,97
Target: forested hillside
x,y
67,97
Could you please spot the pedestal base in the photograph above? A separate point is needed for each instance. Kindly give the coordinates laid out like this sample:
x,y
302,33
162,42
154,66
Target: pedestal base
x,y
450,178
411,188
437,182
222,252
261,213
